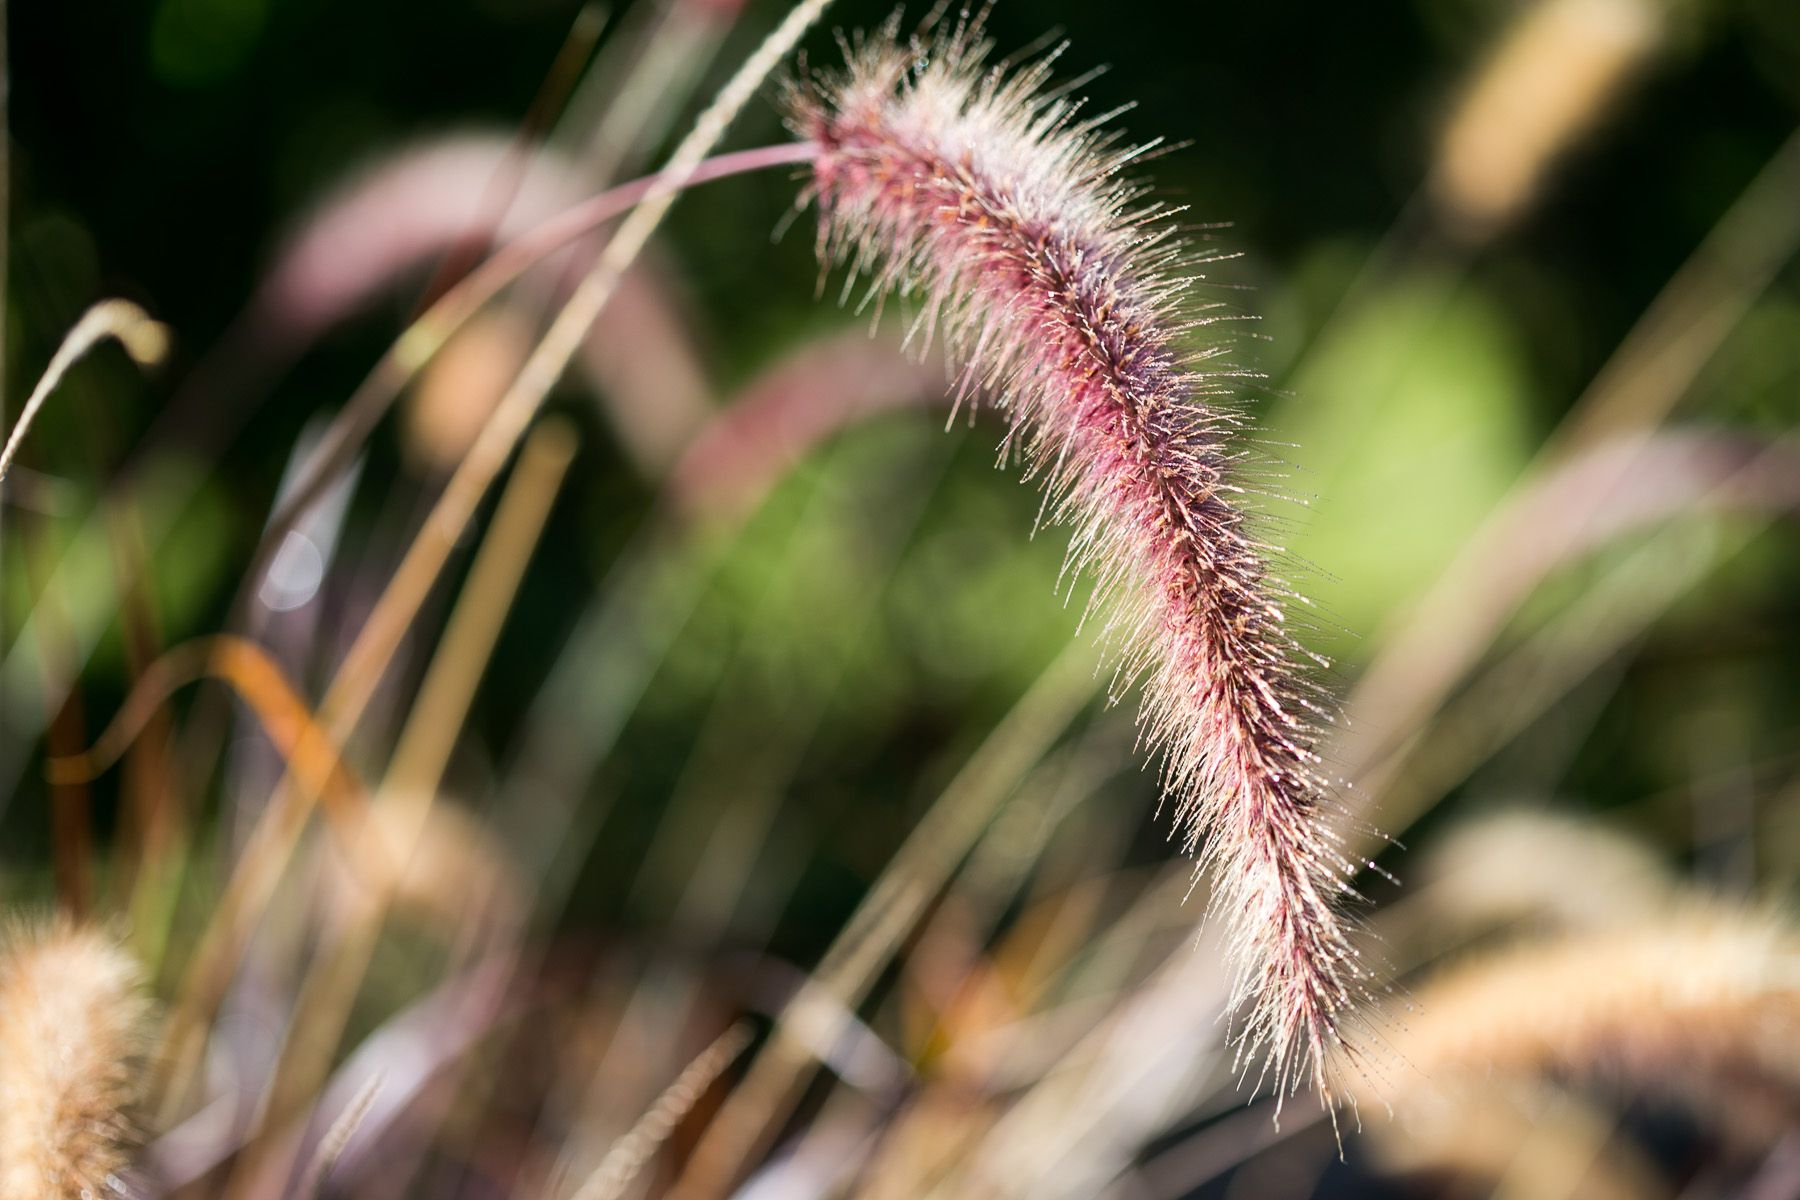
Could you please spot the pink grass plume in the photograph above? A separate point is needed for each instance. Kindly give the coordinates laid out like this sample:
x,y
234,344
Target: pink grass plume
x,y
987,200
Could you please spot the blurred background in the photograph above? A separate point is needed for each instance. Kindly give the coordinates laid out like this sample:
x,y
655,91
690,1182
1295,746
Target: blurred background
x,y
750,720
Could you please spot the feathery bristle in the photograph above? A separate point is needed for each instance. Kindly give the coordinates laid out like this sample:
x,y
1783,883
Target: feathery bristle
x,y
71,1027
988,198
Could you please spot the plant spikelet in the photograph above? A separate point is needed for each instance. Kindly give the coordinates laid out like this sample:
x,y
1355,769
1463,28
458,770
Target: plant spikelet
x,y
71,1025
1701,1006
988,199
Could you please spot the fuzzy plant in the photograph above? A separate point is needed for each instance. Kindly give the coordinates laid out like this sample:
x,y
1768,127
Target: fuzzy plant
x,y
72,1029
983,196
1699,1005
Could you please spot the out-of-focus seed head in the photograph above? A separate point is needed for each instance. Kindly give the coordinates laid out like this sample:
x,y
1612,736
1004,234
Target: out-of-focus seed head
x,y
72,1019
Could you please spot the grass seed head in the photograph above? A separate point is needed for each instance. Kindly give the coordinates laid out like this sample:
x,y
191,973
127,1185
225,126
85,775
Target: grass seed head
x,y
71,1031
987,199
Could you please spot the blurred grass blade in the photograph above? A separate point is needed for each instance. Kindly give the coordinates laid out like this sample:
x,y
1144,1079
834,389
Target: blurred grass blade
x,y
144,339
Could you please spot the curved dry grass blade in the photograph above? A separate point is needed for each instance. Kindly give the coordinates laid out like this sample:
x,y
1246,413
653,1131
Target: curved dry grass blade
x,y
144,339
631,1152
259,682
